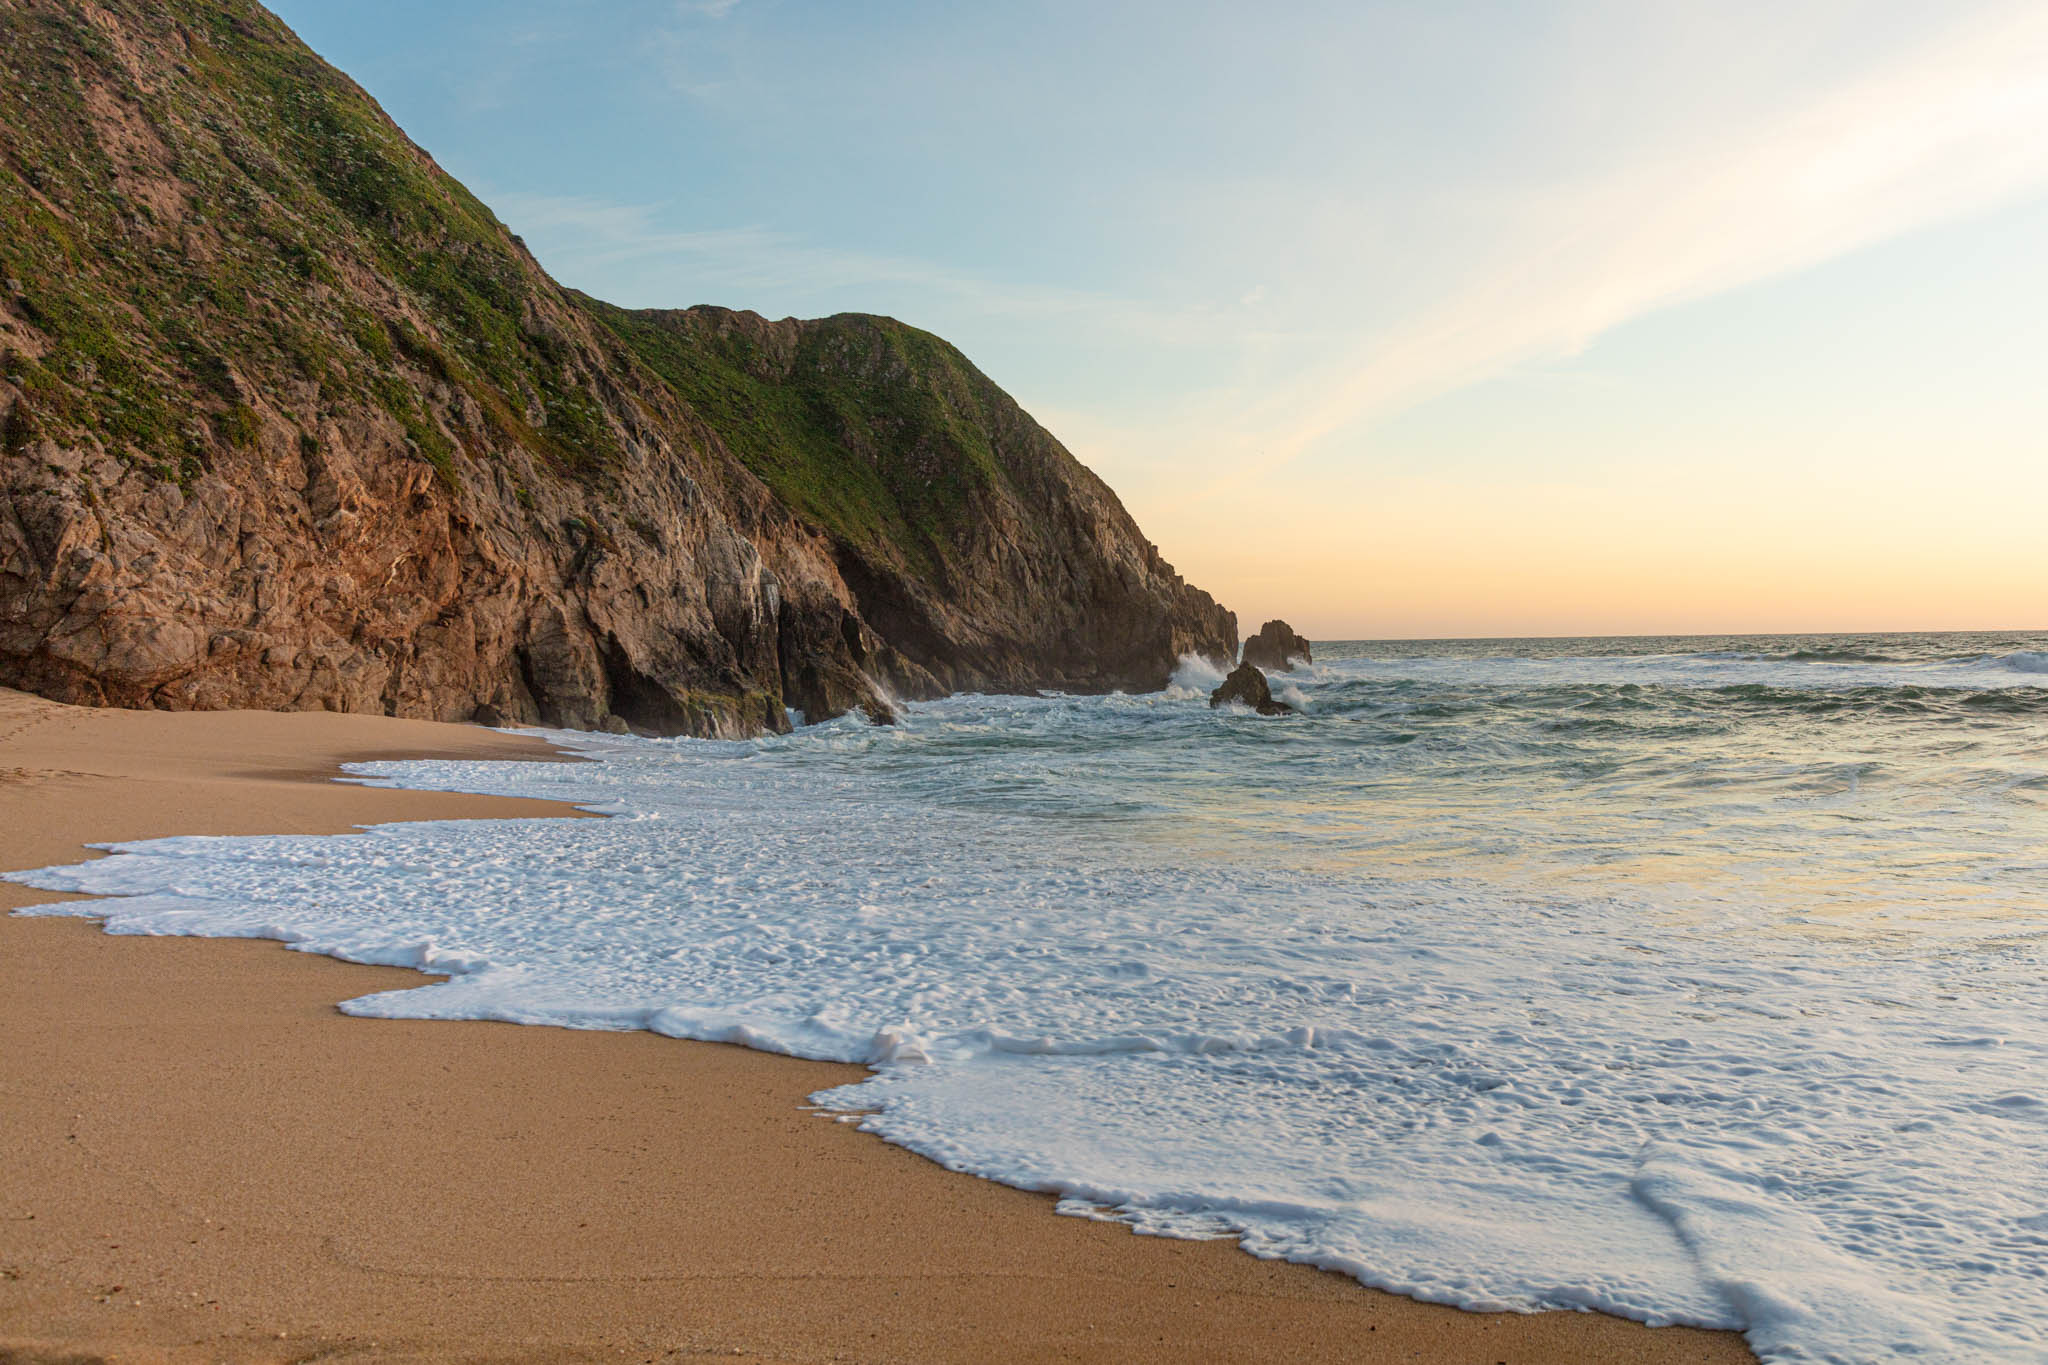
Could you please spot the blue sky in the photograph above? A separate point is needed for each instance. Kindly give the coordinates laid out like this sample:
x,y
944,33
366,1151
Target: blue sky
x,y
1392,318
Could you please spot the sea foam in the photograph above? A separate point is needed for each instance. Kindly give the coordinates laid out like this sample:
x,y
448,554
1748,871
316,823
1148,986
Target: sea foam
x,y
1509,983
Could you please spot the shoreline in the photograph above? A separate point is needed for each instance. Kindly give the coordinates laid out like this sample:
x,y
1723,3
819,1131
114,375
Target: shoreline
x,y
212,1162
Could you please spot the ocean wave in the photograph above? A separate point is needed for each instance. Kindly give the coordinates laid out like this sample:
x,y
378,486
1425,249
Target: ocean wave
x,y
1195,675
1805,656
1911,700
1559,982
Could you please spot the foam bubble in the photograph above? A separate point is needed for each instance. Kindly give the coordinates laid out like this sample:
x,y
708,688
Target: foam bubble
x,y
1195,674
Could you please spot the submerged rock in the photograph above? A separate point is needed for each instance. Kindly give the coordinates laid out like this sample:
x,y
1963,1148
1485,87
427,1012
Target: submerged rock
x,y
1277,646
1248,686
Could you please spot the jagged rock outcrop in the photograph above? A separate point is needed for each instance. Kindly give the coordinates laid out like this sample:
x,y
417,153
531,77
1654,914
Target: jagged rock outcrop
x,y
1277,647
289,420
1246,686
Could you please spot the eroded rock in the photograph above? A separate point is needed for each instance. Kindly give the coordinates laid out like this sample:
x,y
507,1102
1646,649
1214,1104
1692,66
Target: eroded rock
x,y
1247,686
1277,647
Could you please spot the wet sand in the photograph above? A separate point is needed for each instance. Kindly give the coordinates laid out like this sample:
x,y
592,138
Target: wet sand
x,y
204,1160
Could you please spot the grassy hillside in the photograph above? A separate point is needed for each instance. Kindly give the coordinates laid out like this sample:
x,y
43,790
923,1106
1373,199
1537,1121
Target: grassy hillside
x,y
870,428
249,217
289,418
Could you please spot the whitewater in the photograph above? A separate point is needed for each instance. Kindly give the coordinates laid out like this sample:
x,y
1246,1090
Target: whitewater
x,y
1696,981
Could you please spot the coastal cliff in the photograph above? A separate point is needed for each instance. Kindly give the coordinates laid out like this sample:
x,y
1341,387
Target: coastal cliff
x,y
290,420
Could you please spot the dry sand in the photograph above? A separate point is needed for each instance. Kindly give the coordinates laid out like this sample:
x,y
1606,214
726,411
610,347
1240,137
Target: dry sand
x,y
204,1160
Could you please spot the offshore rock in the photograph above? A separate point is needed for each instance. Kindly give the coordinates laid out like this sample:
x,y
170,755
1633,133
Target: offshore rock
x,y
1277,647
1246,686
289,420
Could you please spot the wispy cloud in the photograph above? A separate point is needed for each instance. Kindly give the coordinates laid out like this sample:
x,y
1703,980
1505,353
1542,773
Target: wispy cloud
x,y
1951,130
1302,327
590,236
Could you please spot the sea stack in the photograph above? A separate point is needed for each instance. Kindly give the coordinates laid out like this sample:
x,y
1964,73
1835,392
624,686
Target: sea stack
x,y
1248,686
1276,646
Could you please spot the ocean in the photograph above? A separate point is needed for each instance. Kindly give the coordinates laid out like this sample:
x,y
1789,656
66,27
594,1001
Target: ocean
x,y
1694,980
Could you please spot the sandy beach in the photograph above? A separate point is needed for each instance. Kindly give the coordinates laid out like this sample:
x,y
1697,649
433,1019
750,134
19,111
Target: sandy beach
x,y
208,1162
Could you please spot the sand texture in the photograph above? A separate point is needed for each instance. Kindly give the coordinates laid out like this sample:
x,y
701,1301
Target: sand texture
x,y
205,1161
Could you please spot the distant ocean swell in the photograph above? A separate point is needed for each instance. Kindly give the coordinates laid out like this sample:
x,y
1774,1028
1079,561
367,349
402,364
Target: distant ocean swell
x,y
1696,981
2019,660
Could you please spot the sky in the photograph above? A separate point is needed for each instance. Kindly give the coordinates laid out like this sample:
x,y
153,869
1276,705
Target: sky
x,y
1414,318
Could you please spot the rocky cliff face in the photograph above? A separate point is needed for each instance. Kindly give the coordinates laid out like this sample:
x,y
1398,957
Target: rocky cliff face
x,y
290,420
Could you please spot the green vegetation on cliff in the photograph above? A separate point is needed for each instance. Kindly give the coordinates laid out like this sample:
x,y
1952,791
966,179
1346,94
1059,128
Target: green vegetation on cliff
x,y
289,418
870,428
253,221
